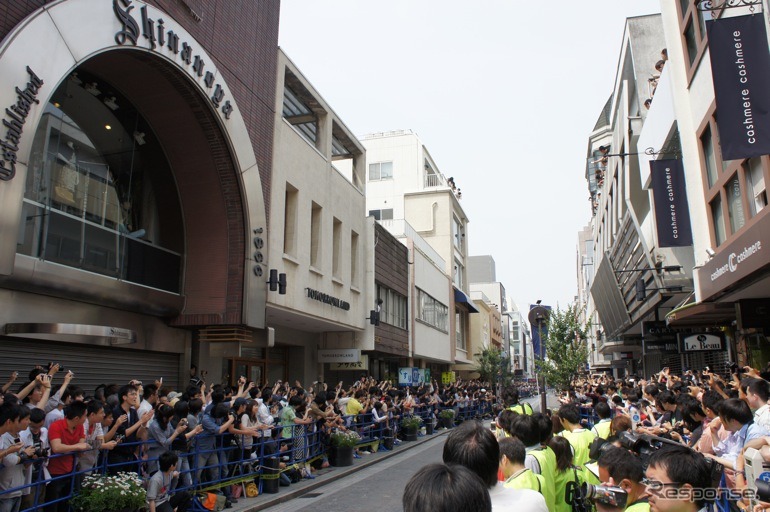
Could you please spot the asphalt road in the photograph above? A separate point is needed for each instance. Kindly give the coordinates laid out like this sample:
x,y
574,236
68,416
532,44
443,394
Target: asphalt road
x,y
378,487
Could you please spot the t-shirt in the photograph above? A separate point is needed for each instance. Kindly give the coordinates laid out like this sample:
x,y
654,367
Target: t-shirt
x,y
59,430
159,486
11,472
354,407
516,499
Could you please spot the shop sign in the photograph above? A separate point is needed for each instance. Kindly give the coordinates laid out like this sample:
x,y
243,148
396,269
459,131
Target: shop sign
x,y
363,364
327,299
339,355
16,116
656,329
702,342
663,346
448,377
163,40
672,215
406,376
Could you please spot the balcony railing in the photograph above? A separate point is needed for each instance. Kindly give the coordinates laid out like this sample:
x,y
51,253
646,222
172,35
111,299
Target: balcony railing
x,y
433,180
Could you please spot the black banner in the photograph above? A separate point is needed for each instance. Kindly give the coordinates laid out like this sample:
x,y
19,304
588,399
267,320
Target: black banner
x,y
672,214
740,66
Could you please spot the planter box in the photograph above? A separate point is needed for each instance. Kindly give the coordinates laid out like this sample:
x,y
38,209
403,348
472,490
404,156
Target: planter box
x,y
340,456
410,433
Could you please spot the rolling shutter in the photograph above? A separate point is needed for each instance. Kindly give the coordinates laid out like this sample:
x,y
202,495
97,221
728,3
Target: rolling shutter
x,y
92,365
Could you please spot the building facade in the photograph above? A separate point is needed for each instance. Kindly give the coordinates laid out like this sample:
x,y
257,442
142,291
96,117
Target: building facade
x,y
136,200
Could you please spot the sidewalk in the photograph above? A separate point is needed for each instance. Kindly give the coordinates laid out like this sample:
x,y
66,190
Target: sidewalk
x,y
325,477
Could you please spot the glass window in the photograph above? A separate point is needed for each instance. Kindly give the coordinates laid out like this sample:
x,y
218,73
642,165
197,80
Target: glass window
x,y
735,204
432,312
457,233
380,171
709,156
393,307
755,182
460,331
692,43
100,194
718,219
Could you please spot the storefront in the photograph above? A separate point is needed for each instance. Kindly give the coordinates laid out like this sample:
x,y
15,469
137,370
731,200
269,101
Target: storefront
x,y
130,190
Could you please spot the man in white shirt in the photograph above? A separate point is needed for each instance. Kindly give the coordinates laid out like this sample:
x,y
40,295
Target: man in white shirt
x,y
474,446
758,394
149,399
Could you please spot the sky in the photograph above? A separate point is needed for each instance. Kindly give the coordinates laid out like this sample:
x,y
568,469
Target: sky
x,y
503,93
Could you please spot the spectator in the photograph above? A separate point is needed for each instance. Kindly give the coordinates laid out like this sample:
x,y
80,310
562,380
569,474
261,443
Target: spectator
x,y
94,436
602,428
13,420
212,451
564,472
66,436
161,433
129,431
757,396
475,447
149,399
58,397
36,435
446,488
161,484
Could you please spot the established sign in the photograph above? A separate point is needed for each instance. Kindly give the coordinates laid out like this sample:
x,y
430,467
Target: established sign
x,y
339,355
16,116
327,299
161,39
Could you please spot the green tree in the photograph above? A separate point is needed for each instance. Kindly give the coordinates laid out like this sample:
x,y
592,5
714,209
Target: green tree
x,y
490,362
566,347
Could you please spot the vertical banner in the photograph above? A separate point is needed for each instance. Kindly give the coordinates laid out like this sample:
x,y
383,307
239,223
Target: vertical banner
x,y
672,213
539,333
740,65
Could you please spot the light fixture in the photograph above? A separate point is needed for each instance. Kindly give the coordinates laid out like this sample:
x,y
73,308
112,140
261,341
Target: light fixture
x,y
139,138
111,102
711,253
93,88
107,127
56,104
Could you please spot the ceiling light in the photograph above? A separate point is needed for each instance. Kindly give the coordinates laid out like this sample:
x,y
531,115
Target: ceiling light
x,y
56,104
111,102
107,127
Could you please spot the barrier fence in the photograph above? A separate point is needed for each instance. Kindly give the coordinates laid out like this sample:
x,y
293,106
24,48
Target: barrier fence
x,y
213,463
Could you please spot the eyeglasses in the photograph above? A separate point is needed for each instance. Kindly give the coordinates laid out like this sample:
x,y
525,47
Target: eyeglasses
x,y
655,485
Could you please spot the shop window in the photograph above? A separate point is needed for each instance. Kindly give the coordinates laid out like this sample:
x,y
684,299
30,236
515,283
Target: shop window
x,y
718,220
735,204
100,195
755,184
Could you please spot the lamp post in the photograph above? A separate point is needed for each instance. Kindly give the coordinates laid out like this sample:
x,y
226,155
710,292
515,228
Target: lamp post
x,y
538,316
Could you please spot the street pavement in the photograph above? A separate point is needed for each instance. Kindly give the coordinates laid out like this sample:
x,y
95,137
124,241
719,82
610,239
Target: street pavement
x,y
375,481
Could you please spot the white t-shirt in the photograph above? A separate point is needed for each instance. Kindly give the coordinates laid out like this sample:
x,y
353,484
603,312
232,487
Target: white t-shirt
x,y
520,500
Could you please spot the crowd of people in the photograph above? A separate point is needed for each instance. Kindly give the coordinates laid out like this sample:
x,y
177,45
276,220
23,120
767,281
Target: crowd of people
x,y
54,433
678,443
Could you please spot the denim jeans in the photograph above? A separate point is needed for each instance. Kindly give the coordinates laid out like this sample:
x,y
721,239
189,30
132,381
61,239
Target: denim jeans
x,y
10,504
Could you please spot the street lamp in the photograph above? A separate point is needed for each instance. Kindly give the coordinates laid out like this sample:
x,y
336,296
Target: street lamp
x,y
538,316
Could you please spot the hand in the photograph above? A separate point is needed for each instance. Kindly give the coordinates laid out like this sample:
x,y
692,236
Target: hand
x,y
751,371
146,417
109,445
181,427
121,419
68,378
55,368
197,430
44,379
28,451
14,448
241,380
82,446
14,376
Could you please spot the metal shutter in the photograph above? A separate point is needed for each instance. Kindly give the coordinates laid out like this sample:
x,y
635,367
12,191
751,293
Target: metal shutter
x,y
92,365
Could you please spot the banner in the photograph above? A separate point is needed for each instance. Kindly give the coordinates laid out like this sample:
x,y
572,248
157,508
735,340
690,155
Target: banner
x,y
537,331
672,213
740,66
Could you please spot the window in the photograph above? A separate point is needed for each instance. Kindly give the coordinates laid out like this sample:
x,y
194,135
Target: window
x,y
458,233
393,310
460,341
385,214
290,220
432,312
103,204
380,171
458,275
735,189
315,236
755,182
336,247
353,258
692,26
296,110
735,204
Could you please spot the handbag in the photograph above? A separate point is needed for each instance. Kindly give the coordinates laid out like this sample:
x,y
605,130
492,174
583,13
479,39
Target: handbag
x,y
236,490
252,491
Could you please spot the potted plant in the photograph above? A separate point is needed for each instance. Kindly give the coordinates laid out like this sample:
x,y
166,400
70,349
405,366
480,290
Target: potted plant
x,y
343,444
446,418
102,493
410,425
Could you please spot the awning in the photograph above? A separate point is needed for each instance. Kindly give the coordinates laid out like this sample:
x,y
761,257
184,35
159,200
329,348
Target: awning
x,y
461,297
702,314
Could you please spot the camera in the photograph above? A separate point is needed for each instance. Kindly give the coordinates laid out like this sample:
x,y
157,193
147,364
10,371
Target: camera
x,y
606,495
119,438
40,451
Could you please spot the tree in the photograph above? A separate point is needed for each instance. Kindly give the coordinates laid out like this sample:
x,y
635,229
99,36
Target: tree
x,y
566,347
491,361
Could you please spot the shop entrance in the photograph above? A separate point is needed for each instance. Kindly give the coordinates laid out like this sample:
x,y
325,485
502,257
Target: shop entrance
x,y
260,365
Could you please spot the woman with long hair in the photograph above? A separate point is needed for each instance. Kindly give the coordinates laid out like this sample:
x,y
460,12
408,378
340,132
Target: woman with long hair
x,y
567,475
